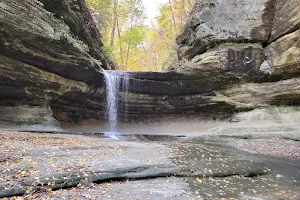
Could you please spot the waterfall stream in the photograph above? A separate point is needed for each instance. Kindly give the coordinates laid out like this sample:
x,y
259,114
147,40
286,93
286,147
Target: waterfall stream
x,y
115,81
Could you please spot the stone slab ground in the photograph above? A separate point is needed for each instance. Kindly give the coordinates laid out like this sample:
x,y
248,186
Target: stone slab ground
x,y
62,166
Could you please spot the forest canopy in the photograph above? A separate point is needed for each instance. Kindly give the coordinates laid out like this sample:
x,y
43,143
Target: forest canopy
x,y
134,44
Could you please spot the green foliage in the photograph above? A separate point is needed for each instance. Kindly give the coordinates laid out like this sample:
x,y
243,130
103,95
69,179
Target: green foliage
x,y
163,20
130,43
133,36
135,11
102,9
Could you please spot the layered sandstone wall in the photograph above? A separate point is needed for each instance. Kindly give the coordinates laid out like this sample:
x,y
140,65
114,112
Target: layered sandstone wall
x,y
256,42
234,56
51,57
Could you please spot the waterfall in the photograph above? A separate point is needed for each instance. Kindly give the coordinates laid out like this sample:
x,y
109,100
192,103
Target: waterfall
x,y
115,81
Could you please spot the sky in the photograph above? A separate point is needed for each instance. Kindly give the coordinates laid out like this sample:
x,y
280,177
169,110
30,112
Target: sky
x,y
152,7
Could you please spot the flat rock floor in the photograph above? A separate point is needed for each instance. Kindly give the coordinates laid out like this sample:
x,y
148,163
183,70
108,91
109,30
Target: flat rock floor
x,y
62,166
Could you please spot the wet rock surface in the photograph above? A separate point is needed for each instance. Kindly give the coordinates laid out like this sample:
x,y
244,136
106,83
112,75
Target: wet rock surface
x,y
42,164
233,174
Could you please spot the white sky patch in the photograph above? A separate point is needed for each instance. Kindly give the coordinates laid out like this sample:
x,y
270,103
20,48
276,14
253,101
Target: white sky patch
x,y
152,9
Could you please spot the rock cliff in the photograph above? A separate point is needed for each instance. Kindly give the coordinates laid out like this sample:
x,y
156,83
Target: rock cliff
x,y
234,56
51,62
256,42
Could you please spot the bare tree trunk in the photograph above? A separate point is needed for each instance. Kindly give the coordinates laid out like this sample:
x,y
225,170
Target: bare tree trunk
x,y
182,12
119,35
155,61
147,56
172,32
113,30
185,10
127,54
173,16
128,47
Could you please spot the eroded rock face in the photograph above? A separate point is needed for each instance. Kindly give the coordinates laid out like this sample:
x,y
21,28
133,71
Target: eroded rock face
x,y
76,15
37,117
238,61
35,36
191,89
234,56
216,21
50,56
284,55
257,46
286,18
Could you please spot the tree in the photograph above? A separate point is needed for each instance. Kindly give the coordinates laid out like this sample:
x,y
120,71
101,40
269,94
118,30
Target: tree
x,y
133,45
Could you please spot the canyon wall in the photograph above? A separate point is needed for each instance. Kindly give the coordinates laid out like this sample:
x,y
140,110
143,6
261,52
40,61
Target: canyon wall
x,y
234,56
256,43
51,62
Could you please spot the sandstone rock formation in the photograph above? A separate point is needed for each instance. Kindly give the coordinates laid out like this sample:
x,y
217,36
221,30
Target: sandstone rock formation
x,y
219,21
256,42
235,56
50,56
